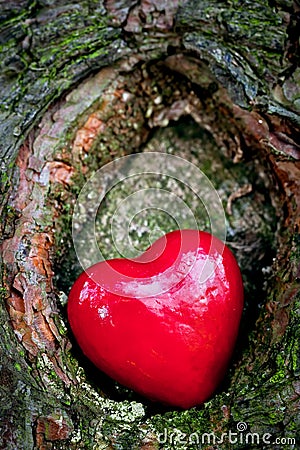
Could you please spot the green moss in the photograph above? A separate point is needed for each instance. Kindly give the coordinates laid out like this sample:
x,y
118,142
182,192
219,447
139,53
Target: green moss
x,y
186,421
77,43
18,367
278,377
3,293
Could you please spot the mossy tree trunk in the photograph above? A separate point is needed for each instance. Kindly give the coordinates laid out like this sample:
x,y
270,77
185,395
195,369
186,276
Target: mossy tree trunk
x,y
64,68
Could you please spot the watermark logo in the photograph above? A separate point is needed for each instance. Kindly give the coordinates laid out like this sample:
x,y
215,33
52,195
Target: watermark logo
x,y
240,436
147,185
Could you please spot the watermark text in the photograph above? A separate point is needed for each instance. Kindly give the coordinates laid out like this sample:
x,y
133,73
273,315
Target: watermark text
x,y
239,436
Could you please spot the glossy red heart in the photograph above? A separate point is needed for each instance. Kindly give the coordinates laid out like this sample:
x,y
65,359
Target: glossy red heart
x,y
163,324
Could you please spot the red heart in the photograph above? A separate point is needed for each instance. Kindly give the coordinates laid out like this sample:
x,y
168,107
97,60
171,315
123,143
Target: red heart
x,y
165,323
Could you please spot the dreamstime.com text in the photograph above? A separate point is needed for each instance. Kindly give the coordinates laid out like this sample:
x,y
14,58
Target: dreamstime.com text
x,y
241,435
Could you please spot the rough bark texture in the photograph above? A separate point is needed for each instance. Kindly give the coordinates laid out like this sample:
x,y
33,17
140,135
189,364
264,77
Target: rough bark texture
x,y
231,68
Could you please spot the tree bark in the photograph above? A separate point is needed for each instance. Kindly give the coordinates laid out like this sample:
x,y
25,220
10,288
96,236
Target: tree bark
x,y
233,68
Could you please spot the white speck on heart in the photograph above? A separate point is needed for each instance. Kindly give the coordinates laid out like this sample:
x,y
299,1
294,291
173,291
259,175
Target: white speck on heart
x,y
147,289
203,270
187,262
84,293
103,312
